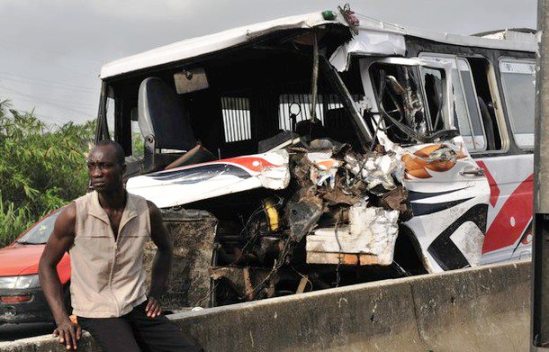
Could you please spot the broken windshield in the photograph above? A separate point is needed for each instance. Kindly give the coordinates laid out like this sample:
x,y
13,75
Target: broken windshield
x,y
410,102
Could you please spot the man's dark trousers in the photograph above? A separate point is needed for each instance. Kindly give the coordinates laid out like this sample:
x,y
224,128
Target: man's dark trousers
x,y
135,332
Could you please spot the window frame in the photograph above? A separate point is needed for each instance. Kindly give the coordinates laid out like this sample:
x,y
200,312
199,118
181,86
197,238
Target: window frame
x,y
446,120
508,59
369,102
456,65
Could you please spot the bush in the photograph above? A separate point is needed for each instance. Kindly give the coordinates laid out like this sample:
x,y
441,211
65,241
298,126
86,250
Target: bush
x,y
12,222
42,167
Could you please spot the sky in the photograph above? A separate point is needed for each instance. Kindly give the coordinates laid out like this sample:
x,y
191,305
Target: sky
x,y
51,52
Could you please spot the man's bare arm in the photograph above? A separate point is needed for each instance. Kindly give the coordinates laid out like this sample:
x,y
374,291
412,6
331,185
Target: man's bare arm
x,y
60,241
162,262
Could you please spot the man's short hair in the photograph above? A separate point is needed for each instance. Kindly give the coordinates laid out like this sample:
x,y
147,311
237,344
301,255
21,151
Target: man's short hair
x,y
119,151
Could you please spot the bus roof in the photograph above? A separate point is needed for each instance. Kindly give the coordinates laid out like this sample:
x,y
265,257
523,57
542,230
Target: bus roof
x,y
198,46
195,47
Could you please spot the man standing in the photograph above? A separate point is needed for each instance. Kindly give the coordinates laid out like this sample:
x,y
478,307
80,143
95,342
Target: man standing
x,y
104,232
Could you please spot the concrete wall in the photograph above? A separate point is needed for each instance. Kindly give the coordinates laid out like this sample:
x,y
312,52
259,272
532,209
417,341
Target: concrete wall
x,y
485,309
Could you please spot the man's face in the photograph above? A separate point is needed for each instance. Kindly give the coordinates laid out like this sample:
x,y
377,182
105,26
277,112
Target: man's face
x,y
104,171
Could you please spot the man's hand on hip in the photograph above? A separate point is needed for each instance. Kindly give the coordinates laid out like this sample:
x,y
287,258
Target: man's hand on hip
x,y
153,308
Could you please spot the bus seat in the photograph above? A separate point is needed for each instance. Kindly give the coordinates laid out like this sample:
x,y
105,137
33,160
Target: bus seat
x,y
163,123
488,124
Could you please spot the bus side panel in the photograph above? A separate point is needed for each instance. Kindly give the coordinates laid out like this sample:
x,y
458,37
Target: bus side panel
x,y
509,230
449,201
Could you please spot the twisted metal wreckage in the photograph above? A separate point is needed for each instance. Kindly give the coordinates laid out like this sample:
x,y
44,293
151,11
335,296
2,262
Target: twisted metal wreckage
x,y
332,218
330,210
311,209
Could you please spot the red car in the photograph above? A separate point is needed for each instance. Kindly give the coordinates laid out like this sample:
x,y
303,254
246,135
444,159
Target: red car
x,y
21,297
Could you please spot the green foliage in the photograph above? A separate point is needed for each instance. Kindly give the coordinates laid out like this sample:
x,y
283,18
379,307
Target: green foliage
x,y
12,221
138,145
41,167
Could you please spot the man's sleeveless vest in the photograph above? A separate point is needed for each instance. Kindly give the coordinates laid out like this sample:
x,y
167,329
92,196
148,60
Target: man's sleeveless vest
x,y
107,275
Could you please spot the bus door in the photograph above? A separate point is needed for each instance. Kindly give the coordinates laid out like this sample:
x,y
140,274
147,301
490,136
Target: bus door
x,y
448,191
505,156
509,233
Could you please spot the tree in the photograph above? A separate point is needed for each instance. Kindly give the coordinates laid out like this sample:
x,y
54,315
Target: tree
x,y
41,167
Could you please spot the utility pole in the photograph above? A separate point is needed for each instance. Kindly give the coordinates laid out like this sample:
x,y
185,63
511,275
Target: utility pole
x,y
540,260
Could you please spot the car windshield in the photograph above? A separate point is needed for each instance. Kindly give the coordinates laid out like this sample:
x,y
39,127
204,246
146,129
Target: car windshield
x,y
41,231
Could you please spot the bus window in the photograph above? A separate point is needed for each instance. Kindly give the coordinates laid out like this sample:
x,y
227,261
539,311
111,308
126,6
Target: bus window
x,y
401,101
331,120
519,80
476,136
236,119
433,86
467,113
294,108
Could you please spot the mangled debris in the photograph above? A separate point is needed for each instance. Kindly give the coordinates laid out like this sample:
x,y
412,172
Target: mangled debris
x,y
341,209
322,206
312,215
303,215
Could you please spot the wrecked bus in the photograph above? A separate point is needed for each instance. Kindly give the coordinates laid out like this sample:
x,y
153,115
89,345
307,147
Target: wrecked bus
x,y
326,149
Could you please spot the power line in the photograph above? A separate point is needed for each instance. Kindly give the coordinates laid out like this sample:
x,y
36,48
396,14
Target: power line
x,y
37,101
33,99
50,51
73,89
71,102
49,101
62,85
56,120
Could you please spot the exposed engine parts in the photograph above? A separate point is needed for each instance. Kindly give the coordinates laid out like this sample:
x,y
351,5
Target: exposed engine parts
x,y
340,211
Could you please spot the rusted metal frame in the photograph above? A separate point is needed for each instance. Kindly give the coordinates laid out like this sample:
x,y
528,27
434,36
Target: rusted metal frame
x,y
242,280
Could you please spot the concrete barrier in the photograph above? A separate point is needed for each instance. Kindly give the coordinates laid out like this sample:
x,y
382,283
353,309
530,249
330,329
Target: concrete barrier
x,y
481,309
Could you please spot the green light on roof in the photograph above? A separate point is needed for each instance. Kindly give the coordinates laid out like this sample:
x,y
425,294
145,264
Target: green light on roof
x,y
329,15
